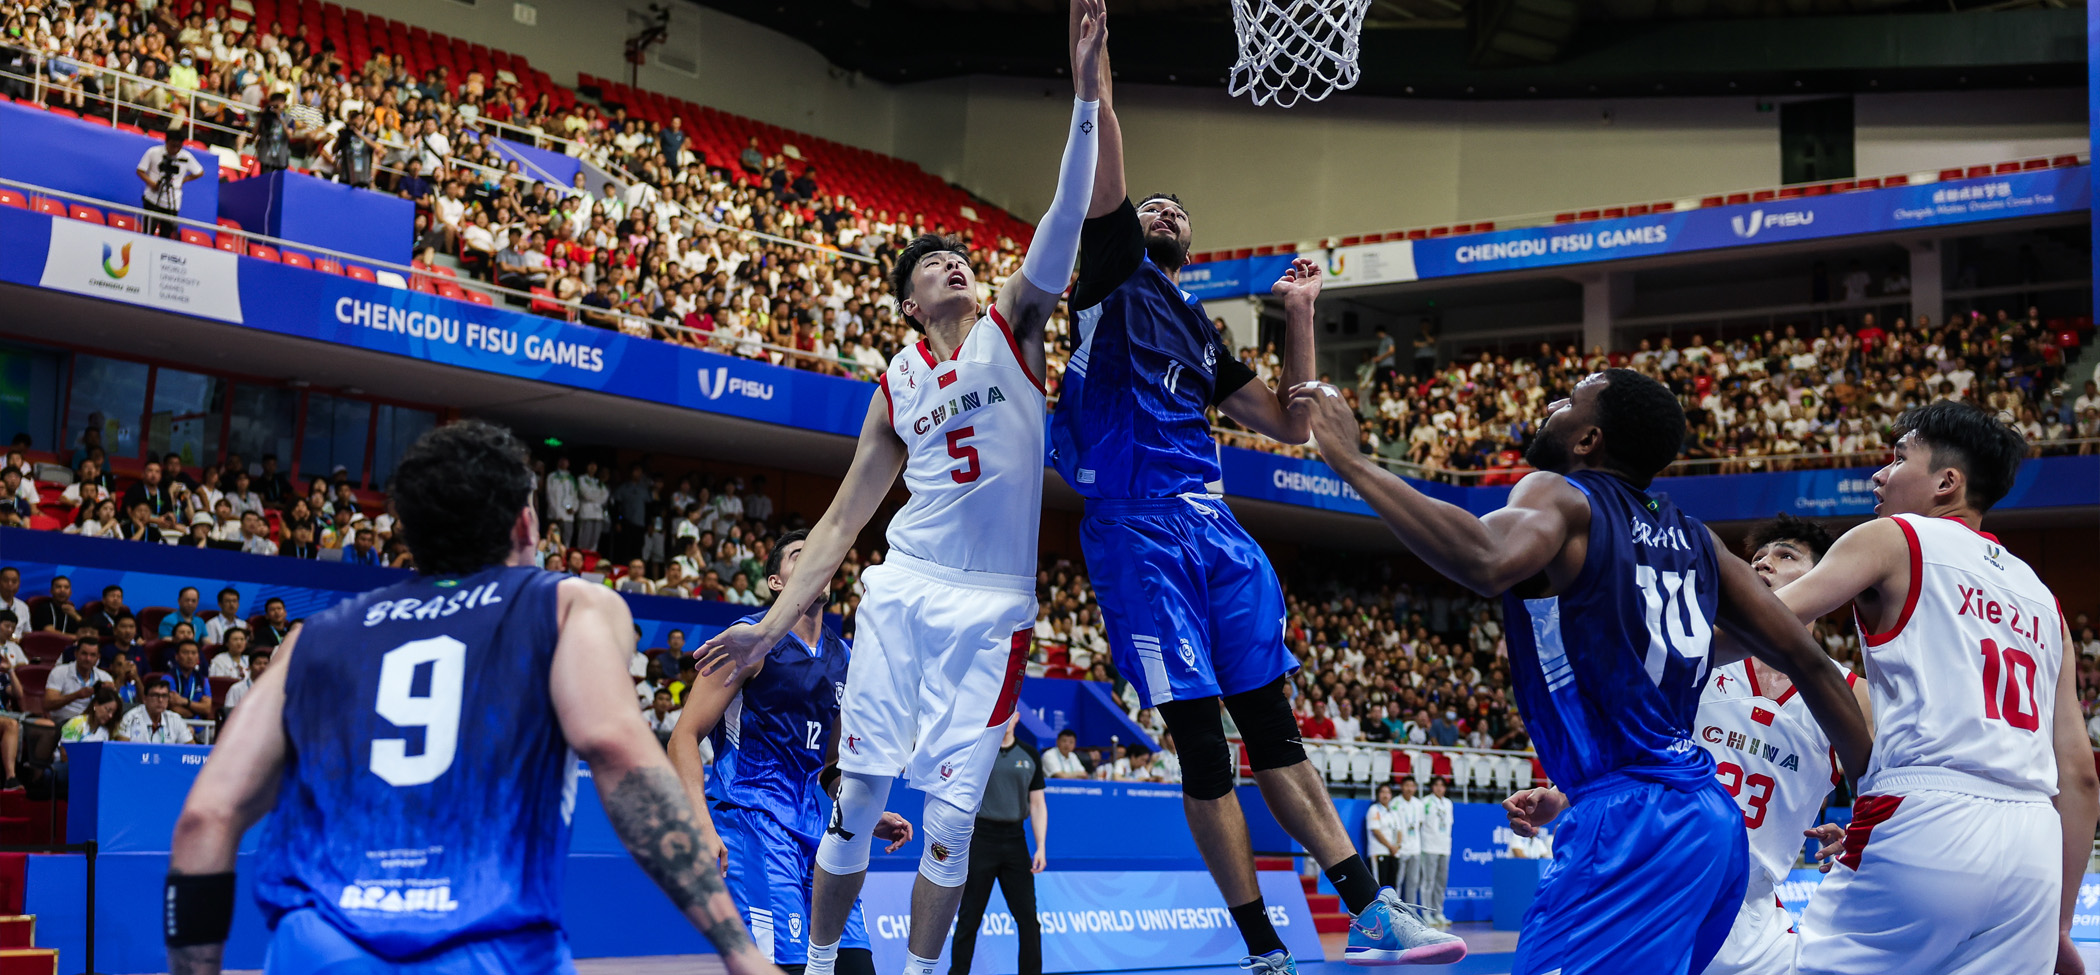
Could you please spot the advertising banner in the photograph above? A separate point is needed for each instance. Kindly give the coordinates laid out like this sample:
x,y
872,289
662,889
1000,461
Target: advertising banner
x,y
2037,192
139,269
1102,922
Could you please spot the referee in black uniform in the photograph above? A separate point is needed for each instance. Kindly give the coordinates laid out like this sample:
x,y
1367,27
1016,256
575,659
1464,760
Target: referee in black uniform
x,y
999,851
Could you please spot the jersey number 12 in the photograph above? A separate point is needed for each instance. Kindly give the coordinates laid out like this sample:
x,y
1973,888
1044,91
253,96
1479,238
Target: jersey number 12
x,y
436,711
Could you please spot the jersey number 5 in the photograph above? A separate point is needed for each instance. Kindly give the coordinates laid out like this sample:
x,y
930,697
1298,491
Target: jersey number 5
x,y
1674,621
436,710
965,453
2015,687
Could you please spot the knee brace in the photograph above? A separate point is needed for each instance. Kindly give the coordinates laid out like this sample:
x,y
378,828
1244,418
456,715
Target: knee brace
x,y
1267,726
946,862
844,849
1207,768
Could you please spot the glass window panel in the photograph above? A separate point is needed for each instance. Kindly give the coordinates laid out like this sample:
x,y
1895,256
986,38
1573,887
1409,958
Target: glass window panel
x,y
335,436
188,410
263,417
399,427
108,397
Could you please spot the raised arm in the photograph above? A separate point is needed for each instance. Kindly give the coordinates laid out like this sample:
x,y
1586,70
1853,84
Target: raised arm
x,y
876,463
1766,628
236,787
594,700
1487,555
1028,298
2077,795
1267,411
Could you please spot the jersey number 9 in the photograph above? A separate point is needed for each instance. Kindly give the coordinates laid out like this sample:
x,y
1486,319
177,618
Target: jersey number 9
x,y
436,710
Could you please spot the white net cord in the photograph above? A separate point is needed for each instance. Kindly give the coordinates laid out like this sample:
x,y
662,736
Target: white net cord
x,y
1296,49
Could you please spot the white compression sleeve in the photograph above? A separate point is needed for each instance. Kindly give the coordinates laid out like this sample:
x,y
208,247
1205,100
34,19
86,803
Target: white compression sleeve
x,y
1056,245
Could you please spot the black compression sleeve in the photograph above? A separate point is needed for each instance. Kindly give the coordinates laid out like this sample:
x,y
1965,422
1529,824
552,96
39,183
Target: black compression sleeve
x,y
1110,248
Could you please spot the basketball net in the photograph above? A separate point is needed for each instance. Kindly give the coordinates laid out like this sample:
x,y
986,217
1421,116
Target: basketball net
x,y
1296,49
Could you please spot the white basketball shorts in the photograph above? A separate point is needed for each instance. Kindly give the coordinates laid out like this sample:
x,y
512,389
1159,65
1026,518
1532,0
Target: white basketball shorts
x,y
938,655
1939,883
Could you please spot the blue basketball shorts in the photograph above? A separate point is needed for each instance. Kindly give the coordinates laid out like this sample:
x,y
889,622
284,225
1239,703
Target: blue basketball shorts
x,y
305,943
770,872
1193,608
1645,880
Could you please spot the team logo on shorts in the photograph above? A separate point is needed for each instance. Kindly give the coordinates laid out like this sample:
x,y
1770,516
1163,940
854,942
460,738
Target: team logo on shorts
x,y
940,853
1188,653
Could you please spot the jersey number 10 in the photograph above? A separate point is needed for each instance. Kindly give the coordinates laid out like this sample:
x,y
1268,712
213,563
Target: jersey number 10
x,y
436,711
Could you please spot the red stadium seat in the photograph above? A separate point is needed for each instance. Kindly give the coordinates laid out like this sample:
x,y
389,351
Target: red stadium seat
x,y
191,235
87,213
123,221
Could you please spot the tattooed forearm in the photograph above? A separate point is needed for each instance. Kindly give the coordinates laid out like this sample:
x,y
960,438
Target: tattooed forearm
x,y
650,812
195,959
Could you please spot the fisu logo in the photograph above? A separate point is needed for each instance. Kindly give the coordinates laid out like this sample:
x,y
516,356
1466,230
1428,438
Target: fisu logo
x,y
721,383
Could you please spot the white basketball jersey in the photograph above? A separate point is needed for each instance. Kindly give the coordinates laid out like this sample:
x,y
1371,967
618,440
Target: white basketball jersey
x,y
972,427
1964,683
1769,754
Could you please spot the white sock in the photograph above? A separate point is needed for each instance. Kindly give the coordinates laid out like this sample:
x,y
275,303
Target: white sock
x,y
823,959
916,965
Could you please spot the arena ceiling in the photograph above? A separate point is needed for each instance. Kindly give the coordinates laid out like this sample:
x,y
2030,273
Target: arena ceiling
x,y
1487,48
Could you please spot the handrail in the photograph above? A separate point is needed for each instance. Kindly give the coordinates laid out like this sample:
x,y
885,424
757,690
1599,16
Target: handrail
x,y
712,341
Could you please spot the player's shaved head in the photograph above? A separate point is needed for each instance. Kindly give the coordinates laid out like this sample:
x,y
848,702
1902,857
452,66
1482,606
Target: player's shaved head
x,y
457,492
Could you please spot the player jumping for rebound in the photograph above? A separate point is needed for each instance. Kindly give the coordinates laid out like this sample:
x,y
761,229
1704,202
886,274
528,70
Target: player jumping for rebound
x,y
418,828
773,732
1973,676
946,619
1770,754
1194,611
1611,594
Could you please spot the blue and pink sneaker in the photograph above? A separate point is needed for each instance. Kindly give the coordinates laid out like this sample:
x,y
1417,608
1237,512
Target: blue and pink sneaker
x,y
1394,932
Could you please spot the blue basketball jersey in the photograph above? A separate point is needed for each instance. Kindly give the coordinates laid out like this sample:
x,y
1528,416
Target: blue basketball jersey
x,y
770,744
1130,420
427,795
1608,674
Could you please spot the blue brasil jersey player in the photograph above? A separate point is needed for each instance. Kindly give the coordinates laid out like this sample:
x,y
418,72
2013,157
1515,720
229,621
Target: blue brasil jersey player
x,y
774,730
420,828
1611,594
1194,612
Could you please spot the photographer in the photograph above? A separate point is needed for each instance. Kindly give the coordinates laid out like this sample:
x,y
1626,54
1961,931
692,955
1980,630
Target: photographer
x,y
165,169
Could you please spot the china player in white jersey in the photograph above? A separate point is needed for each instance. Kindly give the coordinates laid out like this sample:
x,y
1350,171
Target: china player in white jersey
x,y
1975,817
945,621
1770,754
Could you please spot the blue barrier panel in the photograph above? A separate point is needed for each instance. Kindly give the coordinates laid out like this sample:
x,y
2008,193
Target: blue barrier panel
x,y
323,213
1516,885
1096,922
544,163
92,160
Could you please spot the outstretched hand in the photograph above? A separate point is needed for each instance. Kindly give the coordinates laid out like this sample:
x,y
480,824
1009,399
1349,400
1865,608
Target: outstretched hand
x,y
1300,281
740,648
1333,421
1089,46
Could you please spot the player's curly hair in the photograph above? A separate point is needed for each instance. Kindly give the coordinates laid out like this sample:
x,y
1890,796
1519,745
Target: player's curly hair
x,y
1985,448
908,259
456,493
1786,528
1643,424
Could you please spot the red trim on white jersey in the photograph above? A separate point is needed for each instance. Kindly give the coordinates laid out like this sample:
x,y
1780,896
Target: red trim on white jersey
x,y
1006,330
1910,599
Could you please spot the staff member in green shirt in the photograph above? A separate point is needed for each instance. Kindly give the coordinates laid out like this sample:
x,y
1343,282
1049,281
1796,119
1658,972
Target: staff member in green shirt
x,y
999,852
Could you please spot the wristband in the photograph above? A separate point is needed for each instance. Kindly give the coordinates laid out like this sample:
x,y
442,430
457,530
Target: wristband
x,y
197,909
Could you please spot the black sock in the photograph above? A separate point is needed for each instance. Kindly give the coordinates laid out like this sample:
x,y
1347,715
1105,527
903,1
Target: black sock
x,y
1353,879
1253,921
